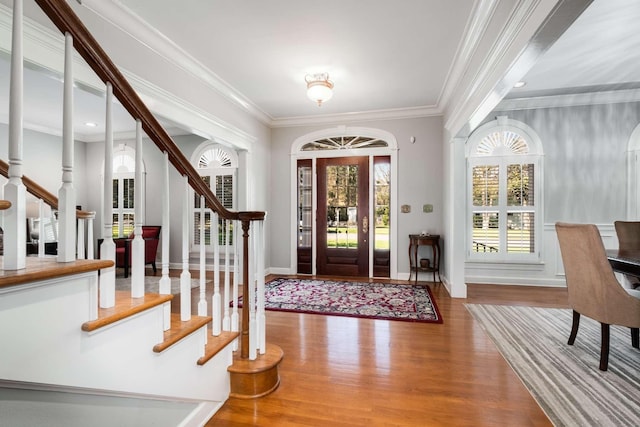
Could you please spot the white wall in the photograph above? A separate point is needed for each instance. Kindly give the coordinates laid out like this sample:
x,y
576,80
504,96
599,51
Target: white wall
x,y
42,162
420,181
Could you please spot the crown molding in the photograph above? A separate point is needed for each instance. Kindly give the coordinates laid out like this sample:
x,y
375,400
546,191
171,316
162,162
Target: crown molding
x,y
480,17
122,17
364,116
125,19
45,48
481,94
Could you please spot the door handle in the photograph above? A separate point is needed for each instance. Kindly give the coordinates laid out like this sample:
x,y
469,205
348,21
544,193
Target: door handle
x,y
365,224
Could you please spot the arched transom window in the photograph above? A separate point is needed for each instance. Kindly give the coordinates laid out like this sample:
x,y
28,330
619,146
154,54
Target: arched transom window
x,y
504,187
344,143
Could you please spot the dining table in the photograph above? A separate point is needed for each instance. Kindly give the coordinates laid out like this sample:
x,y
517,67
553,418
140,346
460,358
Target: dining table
x,y
625,261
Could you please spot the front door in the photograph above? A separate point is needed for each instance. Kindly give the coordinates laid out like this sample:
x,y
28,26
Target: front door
x,y
342,224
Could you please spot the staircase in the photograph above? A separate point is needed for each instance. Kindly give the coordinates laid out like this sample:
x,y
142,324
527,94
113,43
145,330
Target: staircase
x,y
65,328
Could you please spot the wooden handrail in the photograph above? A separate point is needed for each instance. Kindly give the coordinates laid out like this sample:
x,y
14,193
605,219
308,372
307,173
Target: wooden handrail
x,y
4,205
39,191
63,17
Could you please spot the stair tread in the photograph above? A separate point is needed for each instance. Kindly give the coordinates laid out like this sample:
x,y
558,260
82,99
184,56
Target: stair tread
x,y
272,357
49,268
124,307
217,343
180,329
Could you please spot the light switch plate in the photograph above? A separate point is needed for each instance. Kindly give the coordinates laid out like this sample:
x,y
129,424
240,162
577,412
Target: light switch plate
x,y
427,208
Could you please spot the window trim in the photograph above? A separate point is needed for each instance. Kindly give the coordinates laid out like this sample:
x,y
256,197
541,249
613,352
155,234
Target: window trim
x,y
213,172
534,156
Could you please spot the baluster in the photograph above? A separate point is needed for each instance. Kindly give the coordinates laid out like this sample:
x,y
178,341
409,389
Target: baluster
x,y
226,320
15,227
137,245
41,236
108,247
202,304
185,276
66,194
235,319
80,237
216,311
251,305
261,316
165,280
90,235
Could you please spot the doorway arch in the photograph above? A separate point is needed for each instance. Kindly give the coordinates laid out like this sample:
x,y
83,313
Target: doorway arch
x,y
343,142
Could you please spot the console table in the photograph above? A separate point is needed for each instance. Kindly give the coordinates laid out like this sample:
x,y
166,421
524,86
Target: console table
x,y
417,240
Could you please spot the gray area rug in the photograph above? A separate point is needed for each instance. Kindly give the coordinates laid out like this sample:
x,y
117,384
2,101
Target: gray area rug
x,y
565,380
152,284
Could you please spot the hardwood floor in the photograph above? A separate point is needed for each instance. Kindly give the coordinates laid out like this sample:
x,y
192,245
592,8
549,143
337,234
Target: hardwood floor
x,y
340,371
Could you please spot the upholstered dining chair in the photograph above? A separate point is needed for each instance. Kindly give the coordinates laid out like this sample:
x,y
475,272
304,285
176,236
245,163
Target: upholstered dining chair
x,y
592,286
629,240
151,236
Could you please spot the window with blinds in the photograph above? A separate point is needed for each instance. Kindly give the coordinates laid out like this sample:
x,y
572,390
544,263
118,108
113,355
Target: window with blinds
x,y
217,167
504,190
123,206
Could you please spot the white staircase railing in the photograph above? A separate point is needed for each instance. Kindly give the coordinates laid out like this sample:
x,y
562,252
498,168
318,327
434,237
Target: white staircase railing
x,y
76,239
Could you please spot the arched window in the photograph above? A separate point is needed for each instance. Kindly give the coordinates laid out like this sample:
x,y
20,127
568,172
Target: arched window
x,y
218,166
124,168
504,192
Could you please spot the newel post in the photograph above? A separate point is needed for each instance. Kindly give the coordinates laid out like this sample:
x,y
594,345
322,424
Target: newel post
x,y
244,334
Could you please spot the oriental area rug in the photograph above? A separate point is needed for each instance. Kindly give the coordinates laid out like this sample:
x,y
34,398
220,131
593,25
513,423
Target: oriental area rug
x,y
384,301
564,379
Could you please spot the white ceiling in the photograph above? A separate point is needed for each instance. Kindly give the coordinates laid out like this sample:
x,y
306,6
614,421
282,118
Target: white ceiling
x,y
382,55
600,51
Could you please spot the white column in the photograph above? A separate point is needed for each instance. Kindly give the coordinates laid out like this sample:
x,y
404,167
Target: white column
x,y
185,276
455,249
137,245
202,304
15,225
67,194
108,247
165,281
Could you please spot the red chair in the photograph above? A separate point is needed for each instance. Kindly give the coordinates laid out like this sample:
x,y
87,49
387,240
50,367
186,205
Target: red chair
x,y
151,236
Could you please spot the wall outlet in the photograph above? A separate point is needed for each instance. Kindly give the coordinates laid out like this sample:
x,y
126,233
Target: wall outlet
x,y
427,208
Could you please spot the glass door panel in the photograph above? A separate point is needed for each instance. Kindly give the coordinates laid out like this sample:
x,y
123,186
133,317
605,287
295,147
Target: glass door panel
x,y
343,224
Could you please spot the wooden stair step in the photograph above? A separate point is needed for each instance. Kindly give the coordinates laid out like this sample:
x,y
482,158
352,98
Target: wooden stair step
x,y
217,343
180,329
124,307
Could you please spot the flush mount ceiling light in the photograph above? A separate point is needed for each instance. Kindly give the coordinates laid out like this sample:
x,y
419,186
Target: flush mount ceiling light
x,y
319,87
519,84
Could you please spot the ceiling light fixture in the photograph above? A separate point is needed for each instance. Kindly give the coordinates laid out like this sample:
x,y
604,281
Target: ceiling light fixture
x,y
319,87
91,124
519,84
